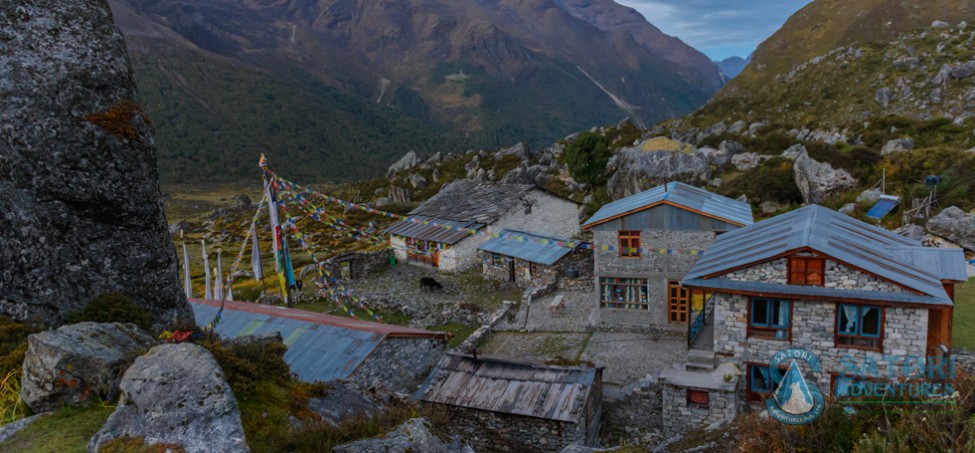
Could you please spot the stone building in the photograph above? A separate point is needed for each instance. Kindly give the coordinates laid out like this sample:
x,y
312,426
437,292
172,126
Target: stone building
x,y
526,259
446,230
325,348
851,293
645,243
503,405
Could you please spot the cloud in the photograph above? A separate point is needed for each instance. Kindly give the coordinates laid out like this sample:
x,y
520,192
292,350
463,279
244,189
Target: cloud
x,y
719,28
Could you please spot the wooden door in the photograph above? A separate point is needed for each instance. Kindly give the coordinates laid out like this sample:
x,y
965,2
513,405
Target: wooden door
x,y
677,303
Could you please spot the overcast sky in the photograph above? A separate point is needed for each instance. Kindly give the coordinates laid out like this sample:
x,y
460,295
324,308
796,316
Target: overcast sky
x,y
718,28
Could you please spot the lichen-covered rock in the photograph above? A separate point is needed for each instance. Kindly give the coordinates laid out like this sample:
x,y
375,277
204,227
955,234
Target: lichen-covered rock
x,y
955,225
412,435
748,161
176,394
80,207
77,363
408,161
535,174
636,170
819,180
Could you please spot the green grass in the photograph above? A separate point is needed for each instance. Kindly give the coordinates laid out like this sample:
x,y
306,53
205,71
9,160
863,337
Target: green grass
x,y
459,331
964,323
331,308
66,431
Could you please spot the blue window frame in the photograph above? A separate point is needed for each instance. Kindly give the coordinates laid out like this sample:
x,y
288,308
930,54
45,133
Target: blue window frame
x,y
760,382
769,318
859,326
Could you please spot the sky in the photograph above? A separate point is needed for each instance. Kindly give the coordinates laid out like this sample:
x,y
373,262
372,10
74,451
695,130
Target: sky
x,y
718,28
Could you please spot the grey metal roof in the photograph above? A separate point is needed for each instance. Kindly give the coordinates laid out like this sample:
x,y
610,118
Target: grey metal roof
x,y
473,201
320,347
430,231
811,292
943,261
526,246
498,385
842,237
679,194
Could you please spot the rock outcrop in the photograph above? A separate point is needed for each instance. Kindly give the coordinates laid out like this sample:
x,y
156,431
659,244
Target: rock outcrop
x,y
412,435
819,180
176,394
899,145
78,363
408,161
955,225
80,208
636,170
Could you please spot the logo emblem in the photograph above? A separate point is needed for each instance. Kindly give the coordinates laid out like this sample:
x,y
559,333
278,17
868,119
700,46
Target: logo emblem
x,y
794,401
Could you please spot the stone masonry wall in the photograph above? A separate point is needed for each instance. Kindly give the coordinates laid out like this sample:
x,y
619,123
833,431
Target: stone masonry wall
x,y
679,416
498,432
549,216
837,276
362,264
656,267
399,364
813,327
541,276
638,413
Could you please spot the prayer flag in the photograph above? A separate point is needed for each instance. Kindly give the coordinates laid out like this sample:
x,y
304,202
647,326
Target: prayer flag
x,y
187,282
256,257
207,294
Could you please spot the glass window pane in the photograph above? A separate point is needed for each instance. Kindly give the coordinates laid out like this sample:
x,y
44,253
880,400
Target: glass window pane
x,y
847,319
843,385
760,312
871,321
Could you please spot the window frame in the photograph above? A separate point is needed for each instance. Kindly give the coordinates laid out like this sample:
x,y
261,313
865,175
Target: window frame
x,y
761,331
752,395
629,237
878,338
692,403
805,272
641,287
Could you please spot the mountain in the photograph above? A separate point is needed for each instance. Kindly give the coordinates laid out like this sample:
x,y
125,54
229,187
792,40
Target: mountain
x,y
336,89
732,66
823,26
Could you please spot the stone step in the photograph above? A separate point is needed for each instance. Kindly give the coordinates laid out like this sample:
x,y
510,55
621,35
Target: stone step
x,y
700,355
699,366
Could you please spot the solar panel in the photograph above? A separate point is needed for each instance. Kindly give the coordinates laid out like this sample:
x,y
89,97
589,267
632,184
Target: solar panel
x,y
884,205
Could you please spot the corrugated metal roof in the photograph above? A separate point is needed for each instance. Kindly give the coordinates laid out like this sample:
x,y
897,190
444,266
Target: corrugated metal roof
x,y
840,236
943,261
525,246
320,347
492,384
678,194
884,205
812,292
431,231
473,201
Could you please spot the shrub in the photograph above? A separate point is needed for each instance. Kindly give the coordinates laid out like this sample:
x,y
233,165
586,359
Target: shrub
x,y
246,365
13,344
772,180
112,307
587,157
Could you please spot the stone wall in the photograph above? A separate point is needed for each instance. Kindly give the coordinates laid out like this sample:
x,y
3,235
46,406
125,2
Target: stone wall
x,y
361,264
837,276
500,432
657,268
538,275
582,261
399,364
549,216
637,414
813,327
680,416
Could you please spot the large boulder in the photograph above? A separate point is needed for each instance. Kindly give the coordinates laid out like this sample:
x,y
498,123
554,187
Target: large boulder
x,y
535,174
408,161
819,180
176,394
412,435
80,208
519,150
78,363
637,170
955,225
748,161
898,145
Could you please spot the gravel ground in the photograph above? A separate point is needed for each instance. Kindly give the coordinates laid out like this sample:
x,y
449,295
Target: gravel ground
x,y
573,318
629,356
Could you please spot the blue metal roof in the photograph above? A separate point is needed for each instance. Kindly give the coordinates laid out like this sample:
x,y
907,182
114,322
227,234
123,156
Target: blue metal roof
x,y
812,292
429,232
527,246
320,347
873,249
884,205
681,195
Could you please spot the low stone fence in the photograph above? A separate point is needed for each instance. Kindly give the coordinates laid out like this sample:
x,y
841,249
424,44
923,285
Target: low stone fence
x,y
486,328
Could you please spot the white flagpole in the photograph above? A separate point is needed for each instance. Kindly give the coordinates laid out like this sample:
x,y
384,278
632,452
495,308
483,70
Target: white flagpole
x,y
187,282
207,294
218,276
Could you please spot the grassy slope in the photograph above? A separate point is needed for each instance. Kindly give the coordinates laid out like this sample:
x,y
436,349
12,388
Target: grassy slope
x,y
66,431
963,330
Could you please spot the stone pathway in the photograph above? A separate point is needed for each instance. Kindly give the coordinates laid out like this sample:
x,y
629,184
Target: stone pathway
x,y
630,356
573,318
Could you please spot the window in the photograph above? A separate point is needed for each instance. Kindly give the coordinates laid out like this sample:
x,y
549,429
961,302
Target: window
x,y
769,318
759,382
859,326
628,293
806,270
697,398
629,244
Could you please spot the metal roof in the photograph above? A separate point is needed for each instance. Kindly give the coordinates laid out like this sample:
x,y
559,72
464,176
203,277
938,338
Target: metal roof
x,y
498,385
812,292
430,231
842,237
320,347
527,246
681,195
943,261
465,200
